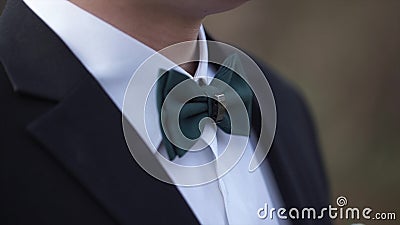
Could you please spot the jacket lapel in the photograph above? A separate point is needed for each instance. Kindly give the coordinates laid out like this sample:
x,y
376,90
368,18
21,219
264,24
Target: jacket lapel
x,y
84,129
84,133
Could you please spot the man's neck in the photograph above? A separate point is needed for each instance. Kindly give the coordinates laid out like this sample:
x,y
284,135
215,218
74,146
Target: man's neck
x,y
157,27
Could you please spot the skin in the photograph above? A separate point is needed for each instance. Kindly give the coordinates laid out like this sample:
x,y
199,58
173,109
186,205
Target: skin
x,y
158,23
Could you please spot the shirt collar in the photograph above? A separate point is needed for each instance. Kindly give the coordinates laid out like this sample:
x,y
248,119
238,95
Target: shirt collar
x,y
110,55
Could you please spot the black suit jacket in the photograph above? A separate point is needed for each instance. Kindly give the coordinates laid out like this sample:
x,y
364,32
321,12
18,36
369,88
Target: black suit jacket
x,y
63,157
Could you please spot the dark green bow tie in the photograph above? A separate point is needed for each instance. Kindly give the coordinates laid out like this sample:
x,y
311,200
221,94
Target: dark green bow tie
x,y
193,111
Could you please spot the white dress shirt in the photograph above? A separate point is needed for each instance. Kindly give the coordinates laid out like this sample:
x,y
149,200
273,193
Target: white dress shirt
x,y
112,57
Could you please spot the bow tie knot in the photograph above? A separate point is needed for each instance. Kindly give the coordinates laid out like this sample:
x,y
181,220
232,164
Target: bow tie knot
x,y
227,91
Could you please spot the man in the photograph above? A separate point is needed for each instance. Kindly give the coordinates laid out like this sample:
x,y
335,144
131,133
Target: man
x,y
64,69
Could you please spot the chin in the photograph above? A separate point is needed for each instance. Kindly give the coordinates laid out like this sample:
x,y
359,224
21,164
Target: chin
x,y
204,8
218,6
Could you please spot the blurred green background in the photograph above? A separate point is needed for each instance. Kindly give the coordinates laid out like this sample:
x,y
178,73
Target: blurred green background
x,y
344,55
